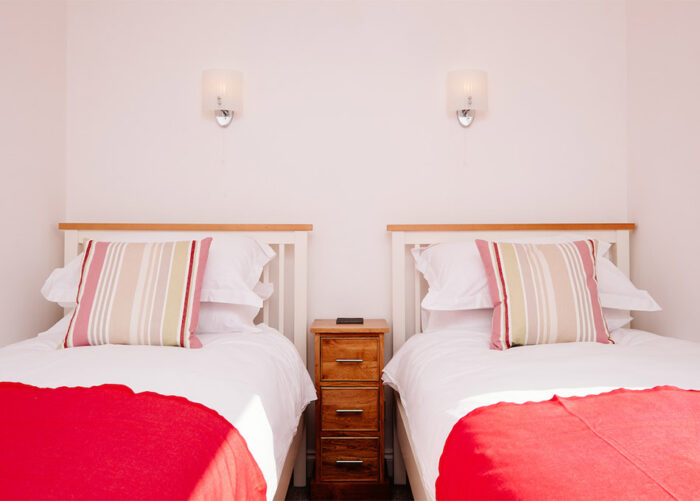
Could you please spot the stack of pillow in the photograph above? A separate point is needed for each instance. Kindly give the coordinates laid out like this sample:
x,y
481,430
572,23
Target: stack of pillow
x,y
461,294
231,291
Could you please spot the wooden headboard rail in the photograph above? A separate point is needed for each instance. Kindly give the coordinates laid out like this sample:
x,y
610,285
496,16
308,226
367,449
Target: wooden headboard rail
x,y
184,227
512,227
280,236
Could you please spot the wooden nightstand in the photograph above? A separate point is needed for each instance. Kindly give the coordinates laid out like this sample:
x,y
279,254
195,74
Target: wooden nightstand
x,y
349,411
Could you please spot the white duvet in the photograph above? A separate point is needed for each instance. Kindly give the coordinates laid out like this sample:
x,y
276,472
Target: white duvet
x,y
256,381
442,376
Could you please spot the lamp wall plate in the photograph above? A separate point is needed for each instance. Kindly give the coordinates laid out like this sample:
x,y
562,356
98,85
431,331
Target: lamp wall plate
x,y
224,117
465,117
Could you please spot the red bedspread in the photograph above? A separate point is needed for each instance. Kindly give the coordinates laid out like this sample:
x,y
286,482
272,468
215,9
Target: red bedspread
x,y
623,444
106,442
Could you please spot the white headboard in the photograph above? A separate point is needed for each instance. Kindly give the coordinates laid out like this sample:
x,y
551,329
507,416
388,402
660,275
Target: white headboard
x,y
278,311
406,312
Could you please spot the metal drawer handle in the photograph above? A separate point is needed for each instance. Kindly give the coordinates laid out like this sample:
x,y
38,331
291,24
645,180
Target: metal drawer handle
x,y
349,360
349,411
349,461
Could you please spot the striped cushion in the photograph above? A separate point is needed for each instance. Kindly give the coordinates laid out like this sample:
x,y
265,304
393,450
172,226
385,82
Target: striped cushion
x,y
139,293
543,293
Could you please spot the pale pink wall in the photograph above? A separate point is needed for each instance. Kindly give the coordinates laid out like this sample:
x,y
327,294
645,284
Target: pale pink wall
x,y
32,159
344,122
664,159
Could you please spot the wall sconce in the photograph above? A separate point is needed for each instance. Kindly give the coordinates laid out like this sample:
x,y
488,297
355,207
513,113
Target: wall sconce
x,y
466,92
221,93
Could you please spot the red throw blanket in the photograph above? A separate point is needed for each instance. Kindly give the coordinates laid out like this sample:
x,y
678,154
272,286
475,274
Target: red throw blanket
x,y
624,444
107,442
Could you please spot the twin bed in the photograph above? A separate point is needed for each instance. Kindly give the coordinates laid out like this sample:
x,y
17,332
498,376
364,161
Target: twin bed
x,y
256,381
458,436
455,403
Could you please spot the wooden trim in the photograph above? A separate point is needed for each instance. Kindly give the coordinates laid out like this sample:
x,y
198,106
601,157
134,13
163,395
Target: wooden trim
x,y
184,227
512,227
370,326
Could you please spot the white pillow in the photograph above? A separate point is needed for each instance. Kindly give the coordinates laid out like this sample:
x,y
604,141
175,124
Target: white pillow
x,y
469,320
457,279
617,291
233,269
60,326
616,319
62,285
264,290
479,321
224,317
455,275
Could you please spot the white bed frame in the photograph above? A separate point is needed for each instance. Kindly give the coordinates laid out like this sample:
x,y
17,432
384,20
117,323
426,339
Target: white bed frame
x,y
279,311
409,287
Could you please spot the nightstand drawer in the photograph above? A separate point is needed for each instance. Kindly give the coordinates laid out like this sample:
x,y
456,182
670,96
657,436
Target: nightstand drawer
x,y
349,359
349,459
349,409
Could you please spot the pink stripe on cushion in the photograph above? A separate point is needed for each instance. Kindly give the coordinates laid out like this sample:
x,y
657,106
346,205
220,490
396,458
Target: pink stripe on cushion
x,y
92,268
203,257
588,259
187,295
502,280
77,294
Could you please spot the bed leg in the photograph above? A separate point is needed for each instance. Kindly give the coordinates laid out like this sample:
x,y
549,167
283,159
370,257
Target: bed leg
x,y
300,463
399,468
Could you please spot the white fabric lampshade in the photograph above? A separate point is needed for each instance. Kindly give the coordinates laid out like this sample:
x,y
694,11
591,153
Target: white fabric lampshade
x,y
463,84
222,90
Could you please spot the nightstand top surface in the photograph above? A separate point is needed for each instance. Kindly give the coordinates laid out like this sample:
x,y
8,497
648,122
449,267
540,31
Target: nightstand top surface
x,y
328,325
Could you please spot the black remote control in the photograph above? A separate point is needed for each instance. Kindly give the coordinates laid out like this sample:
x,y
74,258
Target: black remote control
x,y
349,320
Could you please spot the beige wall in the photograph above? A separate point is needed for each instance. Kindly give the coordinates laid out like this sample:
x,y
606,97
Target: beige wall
x,y
344,121
664,159
32,158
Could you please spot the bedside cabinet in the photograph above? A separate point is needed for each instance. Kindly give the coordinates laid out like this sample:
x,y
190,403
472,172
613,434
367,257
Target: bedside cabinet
x,y
349,411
